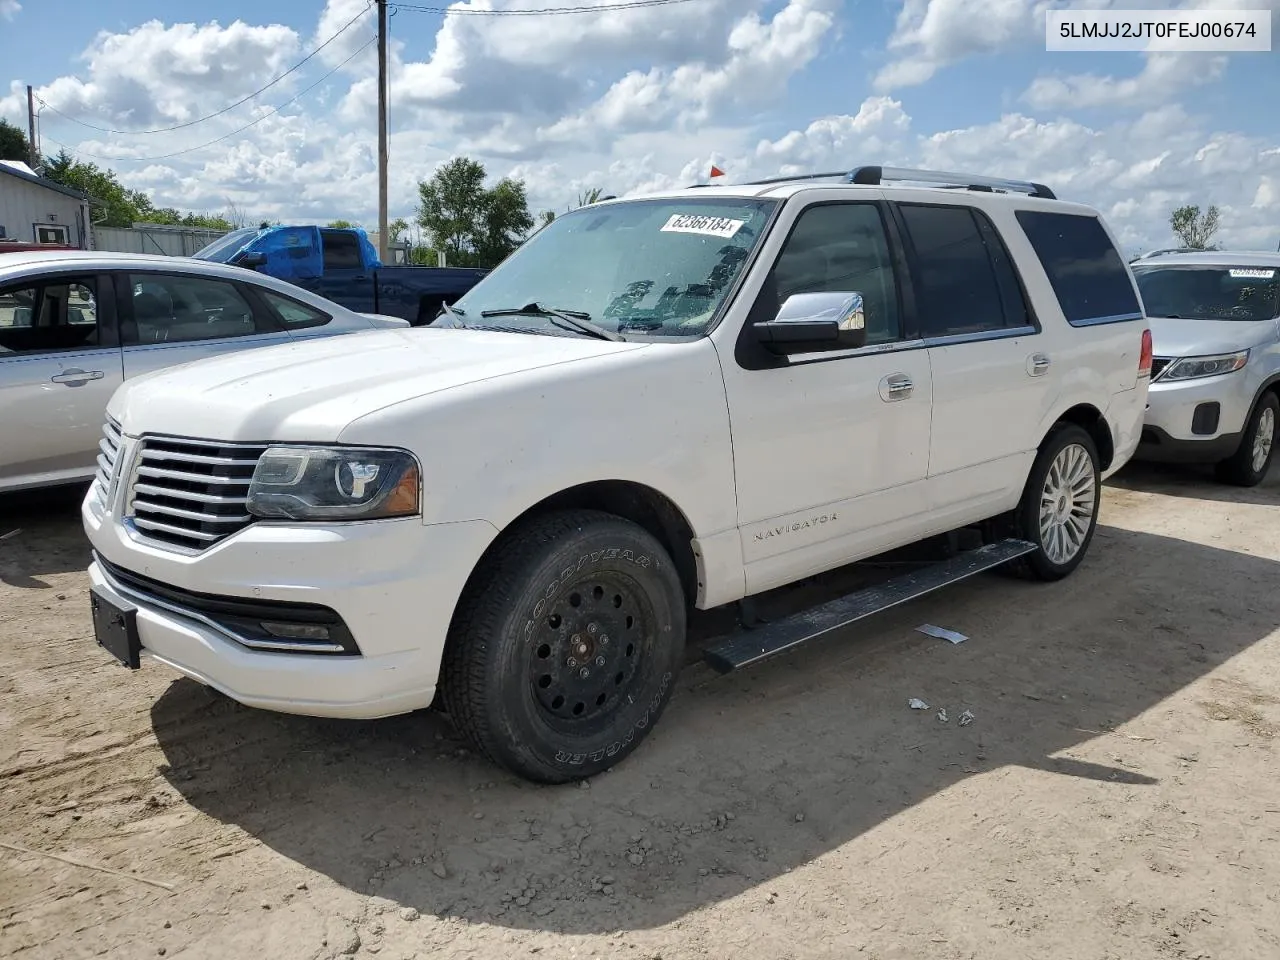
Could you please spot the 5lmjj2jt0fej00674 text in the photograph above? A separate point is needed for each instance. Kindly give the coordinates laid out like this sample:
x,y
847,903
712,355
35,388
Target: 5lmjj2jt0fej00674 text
x,y
1208,31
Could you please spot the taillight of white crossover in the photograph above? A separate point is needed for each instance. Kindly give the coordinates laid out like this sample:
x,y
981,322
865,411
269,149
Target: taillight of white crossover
x,y
1145,355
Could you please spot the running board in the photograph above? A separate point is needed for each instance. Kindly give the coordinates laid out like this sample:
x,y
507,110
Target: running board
x,y
750,646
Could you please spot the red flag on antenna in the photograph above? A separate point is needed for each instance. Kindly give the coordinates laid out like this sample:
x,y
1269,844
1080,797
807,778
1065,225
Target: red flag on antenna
x,y
716,171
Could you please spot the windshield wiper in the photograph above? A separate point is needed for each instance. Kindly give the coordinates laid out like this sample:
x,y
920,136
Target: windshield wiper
x,y
571,319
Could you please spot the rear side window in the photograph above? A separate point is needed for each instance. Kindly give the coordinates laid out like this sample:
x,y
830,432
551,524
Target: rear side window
x,y
1085,269
965,282
294,315
341,250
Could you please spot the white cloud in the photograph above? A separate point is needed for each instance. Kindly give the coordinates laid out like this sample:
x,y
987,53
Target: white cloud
x,y
9,9
930,34
156,75
756,61
1162,75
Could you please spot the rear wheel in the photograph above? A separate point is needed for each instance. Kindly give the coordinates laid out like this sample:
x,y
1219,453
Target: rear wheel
x,y
1249,464
565,649
1059,507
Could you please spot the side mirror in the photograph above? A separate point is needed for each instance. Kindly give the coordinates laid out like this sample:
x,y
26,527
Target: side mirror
x,y
252,261
809,322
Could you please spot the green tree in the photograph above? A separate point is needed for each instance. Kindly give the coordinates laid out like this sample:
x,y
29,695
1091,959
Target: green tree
x,y
588,197
396,228
110,202
341,224
1193,228
507,222
13,142
475,225
546,217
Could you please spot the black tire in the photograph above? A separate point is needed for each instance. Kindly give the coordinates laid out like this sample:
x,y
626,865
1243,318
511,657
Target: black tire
x,y
1242,468
511,674
1045,563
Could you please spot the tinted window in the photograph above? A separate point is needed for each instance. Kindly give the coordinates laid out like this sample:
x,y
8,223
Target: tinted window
x,y
51,317
341,250
1210,293
956,283
1084,267
295,315
838,248
173,308
1016,313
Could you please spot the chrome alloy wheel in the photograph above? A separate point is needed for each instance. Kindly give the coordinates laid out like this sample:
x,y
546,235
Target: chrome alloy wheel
x,y
1067,504
1263,438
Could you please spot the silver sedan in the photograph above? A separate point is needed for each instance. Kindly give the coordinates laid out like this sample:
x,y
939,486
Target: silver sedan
x,y
75,325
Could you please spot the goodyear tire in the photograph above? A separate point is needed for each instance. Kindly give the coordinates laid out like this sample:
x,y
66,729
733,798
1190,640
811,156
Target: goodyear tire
x,y
565,648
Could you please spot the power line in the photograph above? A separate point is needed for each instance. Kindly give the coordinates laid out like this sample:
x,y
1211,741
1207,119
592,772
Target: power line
x,y
274,110
192,123
539,12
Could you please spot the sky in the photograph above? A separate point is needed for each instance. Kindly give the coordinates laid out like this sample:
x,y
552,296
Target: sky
x,y
641,99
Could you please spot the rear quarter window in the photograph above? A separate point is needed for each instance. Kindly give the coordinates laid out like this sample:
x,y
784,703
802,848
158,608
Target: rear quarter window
x,y
1086,271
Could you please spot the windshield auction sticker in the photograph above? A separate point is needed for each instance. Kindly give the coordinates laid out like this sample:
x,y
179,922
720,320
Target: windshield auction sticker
x,y
1243,274
710,226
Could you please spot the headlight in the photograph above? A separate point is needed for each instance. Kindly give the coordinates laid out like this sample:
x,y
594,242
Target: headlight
x,y
334,483
1191,368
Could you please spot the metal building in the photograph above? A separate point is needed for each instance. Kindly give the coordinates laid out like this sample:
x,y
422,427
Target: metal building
x,y
36,210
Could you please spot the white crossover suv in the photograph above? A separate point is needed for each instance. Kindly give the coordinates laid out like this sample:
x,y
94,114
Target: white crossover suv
x,y
674,401
1215,383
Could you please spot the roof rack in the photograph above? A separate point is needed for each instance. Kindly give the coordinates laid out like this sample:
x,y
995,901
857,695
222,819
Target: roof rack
x,y
1167,250
875,175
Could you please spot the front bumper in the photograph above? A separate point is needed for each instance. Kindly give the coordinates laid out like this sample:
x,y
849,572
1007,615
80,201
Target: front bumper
x,y
1195,421
391,585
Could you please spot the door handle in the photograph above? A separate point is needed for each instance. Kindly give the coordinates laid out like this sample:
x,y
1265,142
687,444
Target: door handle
x,y
76,377
896,386
1038,364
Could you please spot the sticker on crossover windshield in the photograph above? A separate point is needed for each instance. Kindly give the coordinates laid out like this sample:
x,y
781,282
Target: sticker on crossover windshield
x,y
711,226
1252,274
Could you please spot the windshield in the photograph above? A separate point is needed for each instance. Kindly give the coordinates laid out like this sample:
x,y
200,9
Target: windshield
x,y
645,268
1210,292
222,248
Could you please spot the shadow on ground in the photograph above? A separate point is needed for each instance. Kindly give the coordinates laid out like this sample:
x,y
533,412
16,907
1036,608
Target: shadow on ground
x,y
1195,482
747,776
45,543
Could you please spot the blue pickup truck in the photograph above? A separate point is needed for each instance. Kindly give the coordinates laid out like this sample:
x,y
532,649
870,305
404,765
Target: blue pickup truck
x,y
341,265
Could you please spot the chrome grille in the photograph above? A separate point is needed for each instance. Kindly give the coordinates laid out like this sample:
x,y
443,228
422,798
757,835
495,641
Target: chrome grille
x,y
1158,365
108,451
191,493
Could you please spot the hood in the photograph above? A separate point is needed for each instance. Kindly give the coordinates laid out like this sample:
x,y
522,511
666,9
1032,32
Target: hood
x,y
1184,337
309,391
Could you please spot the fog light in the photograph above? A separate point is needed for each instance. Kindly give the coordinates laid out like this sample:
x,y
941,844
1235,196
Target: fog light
x,y
296,631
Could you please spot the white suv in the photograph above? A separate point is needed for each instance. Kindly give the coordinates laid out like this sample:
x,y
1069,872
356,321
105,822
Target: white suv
x,y
673,401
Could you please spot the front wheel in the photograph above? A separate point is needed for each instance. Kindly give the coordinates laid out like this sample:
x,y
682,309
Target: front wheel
x,y
1249,464
1059,507
566,646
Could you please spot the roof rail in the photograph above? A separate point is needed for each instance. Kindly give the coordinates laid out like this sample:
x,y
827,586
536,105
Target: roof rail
x,y
876,175
1167,250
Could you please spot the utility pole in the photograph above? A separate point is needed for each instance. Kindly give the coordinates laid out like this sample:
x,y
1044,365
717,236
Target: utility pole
x,y
33,154
382,131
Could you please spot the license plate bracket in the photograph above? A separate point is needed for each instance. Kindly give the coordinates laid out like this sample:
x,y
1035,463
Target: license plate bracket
x,y
116,629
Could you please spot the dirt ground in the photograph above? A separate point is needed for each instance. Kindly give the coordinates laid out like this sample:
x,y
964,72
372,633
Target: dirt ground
x,y
1115,795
